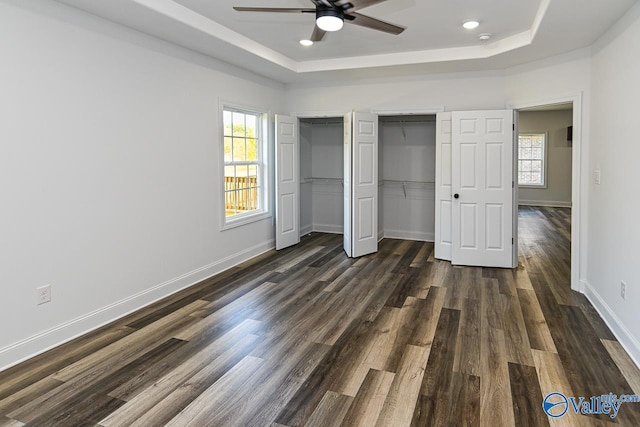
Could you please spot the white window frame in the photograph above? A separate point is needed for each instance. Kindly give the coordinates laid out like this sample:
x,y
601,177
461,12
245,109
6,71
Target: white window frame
x,y
544,160
264,211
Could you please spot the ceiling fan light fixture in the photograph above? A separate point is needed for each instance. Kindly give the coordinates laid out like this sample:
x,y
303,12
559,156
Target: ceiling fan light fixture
x,y
330,19
470,24
306,42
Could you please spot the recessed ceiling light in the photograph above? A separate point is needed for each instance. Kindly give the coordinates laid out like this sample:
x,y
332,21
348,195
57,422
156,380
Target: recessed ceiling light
x,y
306,42
484,37
471,24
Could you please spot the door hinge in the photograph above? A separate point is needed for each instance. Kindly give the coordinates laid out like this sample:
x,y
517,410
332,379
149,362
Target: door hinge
x,y
514,127
513,184
512,240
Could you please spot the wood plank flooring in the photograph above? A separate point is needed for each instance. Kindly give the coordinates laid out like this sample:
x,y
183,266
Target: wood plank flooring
x,y
308,337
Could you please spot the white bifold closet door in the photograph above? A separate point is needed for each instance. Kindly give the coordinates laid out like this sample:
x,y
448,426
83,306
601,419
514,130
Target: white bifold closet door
x,y
287,182
443,239
480,225
360,184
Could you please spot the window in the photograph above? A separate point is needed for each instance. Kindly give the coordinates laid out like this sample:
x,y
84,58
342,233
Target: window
x,y
244,166
531,159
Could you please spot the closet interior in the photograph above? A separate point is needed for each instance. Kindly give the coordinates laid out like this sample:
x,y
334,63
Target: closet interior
x,y
407,174
321,175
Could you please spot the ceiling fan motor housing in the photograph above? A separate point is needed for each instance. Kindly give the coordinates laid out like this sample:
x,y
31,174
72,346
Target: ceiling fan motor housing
x,y
335,11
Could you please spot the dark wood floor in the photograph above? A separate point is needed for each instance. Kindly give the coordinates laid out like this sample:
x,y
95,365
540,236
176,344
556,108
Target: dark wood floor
x,y
306,336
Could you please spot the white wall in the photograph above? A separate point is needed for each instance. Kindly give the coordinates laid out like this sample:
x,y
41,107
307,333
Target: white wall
x,y
408,153
560,79
558,166
327,160
109,171
453,91
613,227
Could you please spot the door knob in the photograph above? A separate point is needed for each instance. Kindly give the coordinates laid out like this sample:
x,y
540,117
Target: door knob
x,y
456,196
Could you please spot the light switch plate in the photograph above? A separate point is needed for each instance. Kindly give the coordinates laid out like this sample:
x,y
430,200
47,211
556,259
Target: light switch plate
x,y
596,176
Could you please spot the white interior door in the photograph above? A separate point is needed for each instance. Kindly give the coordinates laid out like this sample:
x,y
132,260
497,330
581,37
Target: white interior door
x,y
443,187
347,179
287,182
363,183
482,182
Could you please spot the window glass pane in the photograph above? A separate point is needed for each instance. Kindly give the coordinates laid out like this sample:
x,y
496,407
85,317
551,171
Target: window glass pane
x,y
536,178
536,153
253,173
252,150
245,202
239,152
242,177
229,178
238,124
228,150
230,203
253,198
536,166
226,115
251,129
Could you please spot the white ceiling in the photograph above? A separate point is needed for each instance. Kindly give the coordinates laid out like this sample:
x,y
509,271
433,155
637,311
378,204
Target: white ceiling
x,y
429,25
268,43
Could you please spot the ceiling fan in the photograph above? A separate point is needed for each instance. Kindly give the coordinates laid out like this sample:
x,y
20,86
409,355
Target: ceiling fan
x,y
331,15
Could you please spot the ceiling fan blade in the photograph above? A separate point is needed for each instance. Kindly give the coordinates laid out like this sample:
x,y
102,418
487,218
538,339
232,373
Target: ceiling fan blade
x,y
317,34
358,4
274,9
374,24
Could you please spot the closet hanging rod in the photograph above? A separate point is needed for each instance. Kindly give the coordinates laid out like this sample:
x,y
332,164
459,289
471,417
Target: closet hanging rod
x,y
404,122
408,181
316,178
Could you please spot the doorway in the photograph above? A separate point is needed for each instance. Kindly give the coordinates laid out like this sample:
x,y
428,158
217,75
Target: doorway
x,y
544,162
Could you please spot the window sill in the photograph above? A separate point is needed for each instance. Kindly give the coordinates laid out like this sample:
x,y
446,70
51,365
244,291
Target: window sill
x,y
533,186
244,219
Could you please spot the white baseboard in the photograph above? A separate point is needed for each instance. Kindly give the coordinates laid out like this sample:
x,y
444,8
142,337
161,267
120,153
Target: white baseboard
x,y
545,203
380,235
328,228
624,336
32,346
409,235
306,230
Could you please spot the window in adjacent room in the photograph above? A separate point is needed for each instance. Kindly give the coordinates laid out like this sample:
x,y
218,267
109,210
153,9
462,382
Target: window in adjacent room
x,y
531,159
245,169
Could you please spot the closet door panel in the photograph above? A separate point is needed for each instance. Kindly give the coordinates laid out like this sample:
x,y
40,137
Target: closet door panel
x,y
361,184
287,182
443,214
348,184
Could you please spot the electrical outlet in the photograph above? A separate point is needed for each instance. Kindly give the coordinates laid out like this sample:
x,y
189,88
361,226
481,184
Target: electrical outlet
x,y
623,290
43,294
